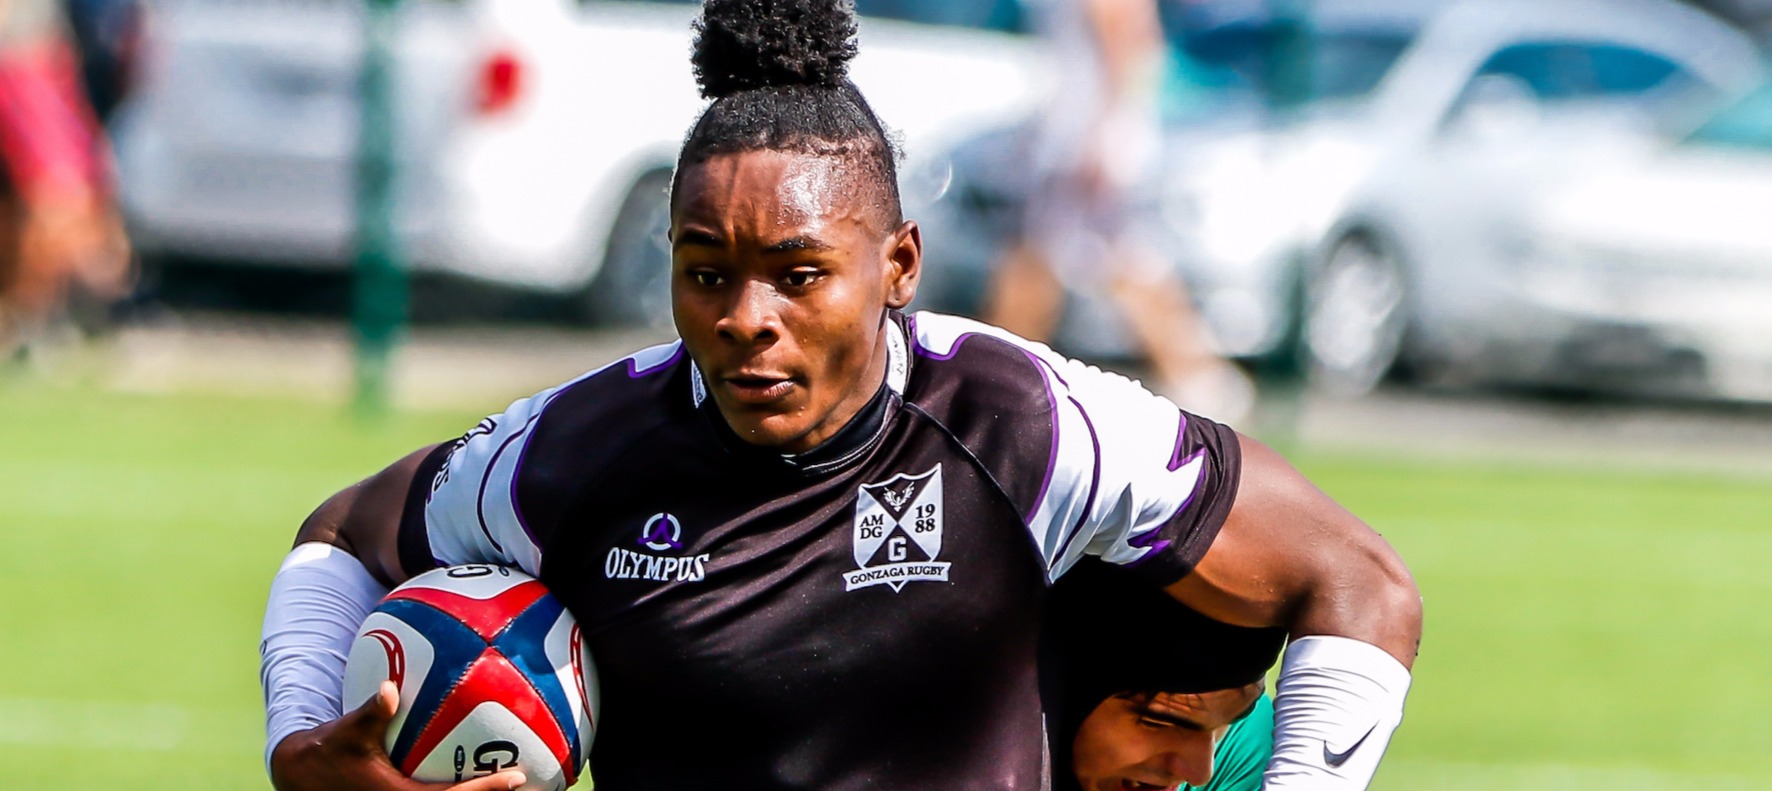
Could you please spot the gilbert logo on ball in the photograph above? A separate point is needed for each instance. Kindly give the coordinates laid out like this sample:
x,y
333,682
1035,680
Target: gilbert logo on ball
x,y
492,675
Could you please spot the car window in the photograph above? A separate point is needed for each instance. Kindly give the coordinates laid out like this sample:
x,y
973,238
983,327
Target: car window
x,y
1551,71
1570,70
1340,64
1624,70
1744,124
1000,15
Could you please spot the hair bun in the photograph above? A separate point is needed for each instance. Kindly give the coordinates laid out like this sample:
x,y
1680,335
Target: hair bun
x,y
744,45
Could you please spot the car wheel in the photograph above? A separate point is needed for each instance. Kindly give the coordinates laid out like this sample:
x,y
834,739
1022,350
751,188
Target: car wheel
x,y
1355,316
633,288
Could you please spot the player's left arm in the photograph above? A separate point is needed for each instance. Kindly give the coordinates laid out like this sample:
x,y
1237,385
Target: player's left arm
x,y
1230,529
1288,555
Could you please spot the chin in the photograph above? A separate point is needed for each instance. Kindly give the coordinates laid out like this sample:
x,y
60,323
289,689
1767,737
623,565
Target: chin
x,y
771,431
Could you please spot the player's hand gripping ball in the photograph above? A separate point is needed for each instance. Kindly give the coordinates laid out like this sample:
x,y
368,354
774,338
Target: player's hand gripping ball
x,y
492,676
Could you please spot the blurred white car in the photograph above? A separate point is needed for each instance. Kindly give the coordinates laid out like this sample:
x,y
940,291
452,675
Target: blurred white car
x,y
535,137
1442,259
1269,207
1651,274
1250,196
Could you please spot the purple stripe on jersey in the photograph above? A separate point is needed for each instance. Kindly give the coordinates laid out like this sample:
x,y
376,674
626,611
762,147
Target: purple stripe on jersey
x,y
1149,542
516,504
1153,551
486,478
1053,369
924,351
1192,457
1052,455
635,372
1094,484
1175,460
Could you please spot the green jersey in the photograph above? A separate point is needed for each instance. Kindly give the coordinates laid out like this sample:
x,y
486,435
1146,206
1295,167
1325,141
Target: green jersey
x,y
1243,753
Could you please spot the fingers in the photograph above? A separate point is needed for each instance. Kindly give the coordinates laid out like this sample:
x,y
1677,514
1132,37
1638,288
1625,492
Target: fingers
x,y
503,781
370,720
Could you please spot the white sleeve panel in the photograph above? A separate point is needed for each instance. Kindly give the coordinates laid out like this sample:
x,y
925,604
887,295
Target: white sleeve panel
x,y
1120,468
472,514
1121,471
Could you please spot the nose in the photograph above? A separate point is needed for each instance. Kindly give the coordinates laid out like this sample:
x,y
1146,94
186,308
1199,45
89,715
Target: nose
x,y
751,317
1191,764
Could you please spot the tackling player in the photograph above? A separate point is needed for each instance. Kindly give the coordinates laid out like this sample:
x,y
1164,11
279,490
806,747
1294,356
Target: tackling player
x,y
809,543
1154,695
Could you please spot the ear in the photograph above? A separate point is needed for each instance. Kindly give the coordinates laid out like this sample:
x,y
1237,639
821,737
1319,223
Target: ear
x,y
904,264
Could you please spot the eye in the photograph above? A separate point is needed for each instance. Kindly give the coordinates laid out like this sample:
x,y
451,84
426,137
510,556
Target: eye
x,y
801,278
706,278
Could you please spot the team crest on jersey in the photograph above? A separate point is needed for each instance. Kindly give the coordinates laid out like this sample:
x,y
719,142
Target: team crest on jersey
x,y
898,532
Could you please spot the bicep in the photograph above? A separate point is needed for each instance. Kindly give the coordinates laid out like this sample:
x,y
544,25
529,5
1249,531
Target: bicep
x,y
1288,555
364,518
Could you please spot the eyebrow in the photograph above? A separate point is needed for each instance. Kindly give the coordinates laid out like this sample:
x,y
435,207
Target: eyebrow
x,y
1146,710
1177,720
690,237
797,243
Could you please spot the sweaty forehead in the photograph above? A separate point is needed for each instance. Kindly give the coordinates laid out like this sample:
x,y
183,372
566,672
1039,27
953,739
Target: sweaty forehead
x,y
771,194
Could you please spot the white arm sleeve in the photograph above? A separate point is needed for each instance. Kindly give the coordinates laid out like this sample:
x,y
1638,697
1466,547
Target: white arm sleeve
x,y
1337,703
318,599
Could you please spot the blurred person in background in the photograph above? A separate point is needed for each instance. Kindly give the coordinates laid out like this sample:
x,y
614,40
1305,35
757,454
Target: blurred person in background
x,y
107,34
61,239
1096,154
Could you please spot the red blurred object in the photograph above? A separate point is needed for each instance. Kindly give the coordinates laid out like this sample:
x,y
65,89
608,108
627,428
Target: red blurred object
x,y
501,83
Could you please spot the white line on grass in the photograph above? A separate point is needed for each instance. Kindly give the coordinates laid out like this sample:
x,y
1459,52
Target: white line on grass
x,y
64,723
1450,776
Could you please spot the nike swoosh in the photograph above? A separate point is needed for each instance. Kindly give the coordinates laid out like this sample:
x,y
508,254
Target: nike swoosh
x,y
1336,759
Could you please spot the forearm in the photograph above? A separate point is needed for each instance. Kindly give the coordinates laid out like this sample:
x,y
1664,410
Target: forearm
x,y
1290,556
318,599
1345,676
1336,705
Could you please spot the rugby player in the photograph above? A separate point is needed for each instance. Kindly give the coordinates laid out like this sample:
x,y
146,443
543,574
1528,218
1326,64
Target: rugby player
x,y
1154,695
810,543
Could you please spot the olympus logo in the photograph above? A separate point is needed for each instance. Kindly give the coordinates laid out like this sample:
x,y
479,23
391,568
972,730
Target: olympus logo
x,y
661,533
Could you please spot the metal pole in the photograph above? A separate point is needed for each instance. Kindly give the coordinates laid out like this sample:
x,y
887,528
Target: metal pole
x,y
379,298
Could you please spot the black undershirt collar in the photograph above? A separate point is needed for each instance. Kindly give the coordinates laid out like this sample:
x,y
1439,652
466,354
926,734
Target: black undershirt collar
x,y
849,444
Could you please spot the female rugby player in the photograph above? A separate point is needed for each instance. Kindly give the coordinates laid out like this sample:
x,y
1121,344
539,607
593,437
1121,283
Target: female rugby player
x,y
810,542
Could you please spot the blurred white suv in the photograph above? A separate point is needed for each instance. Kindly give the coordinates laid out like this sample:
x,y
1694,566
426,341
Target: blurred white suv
x,y
535,137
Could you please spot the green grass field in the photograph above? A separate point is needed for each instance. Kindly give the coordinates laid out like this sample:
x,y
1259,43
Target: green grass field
x,y
1585,630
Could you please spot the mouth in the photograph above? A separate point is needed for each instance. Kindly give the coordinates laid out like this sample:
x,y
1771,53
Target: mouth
x,y
758,389
1128,784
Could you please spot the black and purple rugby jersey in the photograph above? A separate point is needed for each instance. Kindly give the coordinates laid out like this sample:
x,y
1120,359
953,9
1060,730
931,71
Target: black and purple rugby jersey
x,y
862,616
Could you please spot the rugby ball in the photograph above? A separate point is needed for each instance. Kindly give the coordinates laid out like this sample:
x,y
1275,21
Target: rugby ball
x,y
492,675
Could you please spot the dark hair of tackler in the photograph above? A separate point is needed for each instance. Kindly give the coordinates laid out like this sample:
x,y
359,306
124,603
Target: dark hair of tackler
x,y
1113,632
